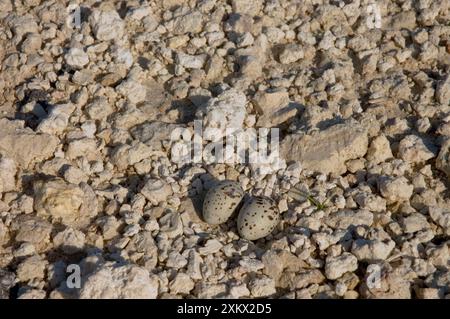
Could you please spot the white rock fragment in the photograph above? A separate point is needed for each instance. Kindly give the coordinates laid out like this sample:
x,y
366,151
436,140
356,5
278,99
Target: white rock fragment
x,y
32,230
75,175
76,58
414,149
290,54
171,224
415,222
372,250
443,159
335,267
31,268
190,22
107,25
379,150
226,111
395,189
64,202
193,267
127,155
262,287
33,294
345,218
70,240
443,91
207,290
212,246
57,120
181,284
156,191
246,7
134,91
23,145
111,281
441,217
239,291
99,108
327,150
8,172
191,61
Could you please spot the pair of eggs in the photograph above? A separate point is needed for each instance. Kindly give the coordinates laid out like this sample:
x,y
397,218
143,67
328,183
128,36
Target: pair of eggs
x,y
257,218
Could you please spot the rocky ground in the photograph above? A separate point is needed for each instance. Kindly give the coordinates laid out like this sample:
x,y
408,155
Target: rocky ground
x,y
359,89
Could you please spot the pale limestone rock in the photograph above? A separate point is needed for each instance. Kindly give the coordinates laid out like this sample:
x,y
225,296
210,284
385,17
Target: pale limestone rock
x,y
226,111
127,155
115,281
171,224
76,58
193,267
23,145
181,284
134,91
212,246
31,268
395,189
372,250
191,22
143,243
156,191
379,150
335,267
70,240
262,287
301,279
99,108
57,120
67,203
326,151
443,159
441,216
344,218
107,25
268,101
291,53
31,229
246,7
325,240
33,294
191,61
414,149
443,91
414,222
32,43
85,148
8,172
74,175
205,290
7,280
239,291
153,134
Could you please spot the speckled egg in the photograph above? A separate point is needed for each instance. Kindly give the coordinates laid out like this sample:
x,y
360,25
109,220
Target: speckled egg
x,y
257,218
221,201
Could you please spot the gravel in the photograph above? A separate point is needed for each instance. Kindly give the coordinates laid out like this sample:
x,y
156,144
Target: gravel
x,y
93,183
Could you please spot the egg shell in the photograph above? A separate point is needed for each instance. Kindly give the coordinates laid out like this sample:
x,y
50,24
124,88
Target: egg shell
x,y
257,218
221,201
